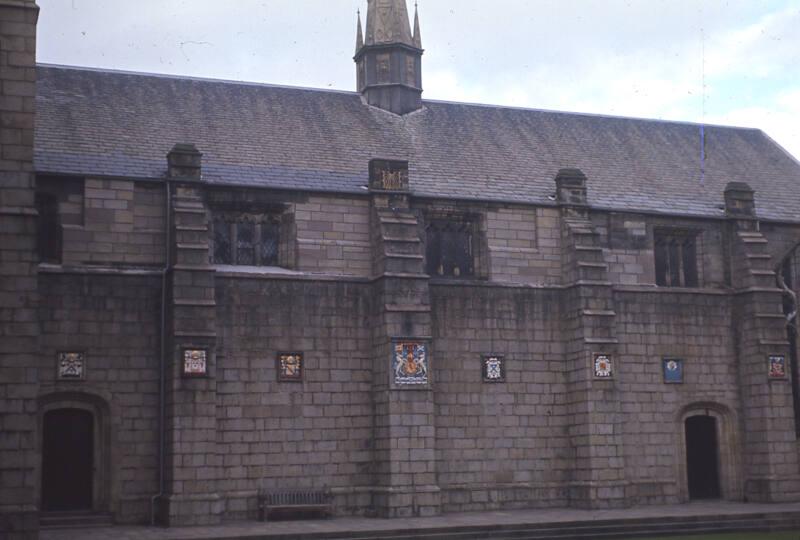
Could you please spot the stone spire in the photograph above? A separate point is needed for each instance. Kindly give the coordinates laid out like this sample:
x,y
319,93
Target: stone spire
x,y
359,34
417,34
389,59
387,22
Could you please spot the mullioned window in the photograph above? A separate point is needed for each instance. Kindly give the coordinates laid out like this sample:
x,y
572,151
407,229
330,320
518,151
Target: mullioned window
x,y
676,258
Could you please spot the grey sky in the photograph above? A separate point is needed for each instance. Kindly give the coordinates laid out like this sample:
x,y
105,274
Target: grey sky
x,y
645,58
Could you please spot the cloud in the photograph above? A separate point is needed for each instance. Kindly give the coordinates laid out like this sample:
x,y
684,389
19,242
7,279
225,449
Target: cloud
x,y
762,49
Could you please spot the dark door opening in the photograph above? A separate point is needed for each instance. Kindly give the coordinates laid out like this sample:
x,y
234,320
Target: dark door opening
x,y
702,457
67,460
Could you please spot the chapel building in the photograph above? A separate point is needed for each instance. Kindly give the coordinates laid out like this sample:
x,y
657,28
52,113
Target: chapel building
x,y
208,288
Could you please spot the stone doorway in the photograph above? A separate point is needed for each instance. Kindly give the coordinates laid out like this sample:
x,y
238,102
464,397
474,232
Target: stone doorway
x,y
702,457
68,442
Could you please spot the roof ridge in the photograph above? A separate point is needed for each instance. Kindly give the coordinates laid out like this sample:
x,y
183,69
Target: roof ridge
x,y
353,93
592,115
192,78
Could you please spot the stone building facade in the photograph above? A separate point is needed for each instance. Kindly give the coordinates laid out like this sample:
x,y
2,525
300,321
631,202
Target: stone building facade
x,y
209,288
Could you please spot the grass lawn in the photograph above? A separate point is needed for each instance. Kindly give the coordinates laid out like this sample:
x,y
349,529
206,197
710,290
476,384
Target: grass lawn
x,y
737,536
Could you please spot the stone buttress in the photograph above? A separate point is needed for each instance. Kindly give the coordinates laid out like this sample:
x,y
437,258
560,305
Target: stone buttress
x,y
191,390
591,345
404,432
770,449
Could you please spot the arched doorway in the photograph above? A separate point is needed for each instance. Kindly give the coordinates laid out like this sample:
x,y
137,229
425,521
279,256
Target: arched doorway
x,y
708,456
702,457
68,460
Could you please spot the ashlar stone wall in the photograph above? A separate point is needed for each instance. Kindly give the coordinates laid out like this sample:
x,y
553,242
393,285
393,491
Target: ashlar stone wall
x,y
109,222
333,236
114,321
499,444
524,245
696,329
19,328
510,444
307,434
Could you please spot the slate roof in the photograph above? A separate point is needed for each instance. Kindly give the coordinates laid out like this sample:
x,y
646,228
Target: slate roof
x,y
106,123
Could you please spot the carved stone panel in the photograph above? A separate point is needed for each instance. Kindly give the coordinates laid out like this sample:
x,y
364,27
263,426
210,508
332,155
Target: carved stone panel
x,y
388,175
71,366
383,67
411,71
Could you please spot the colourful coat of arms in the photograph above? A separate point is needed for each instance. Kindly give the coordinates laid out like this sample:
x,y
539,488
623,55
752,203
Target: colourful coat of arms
x,y
777,367
603,368
410,363
673,370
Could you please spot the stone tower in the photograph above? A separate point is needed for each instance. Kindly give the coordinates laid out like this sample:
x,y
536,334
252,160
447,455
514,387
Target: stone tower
x,y
19,328
389,58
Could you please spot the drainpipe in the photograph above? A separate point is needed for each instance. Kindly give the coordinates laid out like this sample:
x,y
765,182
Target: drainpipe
x,y
790,308
162,432
787,292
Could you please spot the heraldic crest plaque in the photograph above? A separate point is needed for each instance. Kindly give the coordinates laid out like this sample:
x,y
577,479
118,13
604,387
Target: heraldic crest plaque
x,y
494,369
409,363
71,366
290,367
603,368
673,370
195,362
777,366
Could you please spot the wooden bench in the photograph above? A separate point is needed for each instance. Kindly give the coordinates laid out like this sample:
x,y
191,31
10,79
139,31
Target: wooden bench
x,y
294,501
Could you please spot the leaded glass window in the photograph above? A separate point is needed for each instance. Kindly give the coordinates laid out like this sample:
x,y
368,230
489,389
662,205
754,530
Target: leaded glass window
x,y
269,243
245,243
222,240
246,239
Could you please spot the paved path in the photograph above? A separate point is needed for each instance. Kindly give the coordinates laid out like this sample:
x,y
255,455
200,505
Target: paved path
x,y
250,529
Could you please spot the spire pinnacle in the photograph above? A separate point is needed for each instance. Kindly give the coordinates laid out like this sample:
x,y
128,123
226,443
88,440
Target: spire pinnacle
x,y
359,34
417,35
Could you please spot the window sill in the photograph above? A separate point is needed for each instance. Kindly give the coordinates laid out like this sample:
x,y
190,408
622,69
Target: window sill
x,y
671,290
255,270
131,270
276,272
471,280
